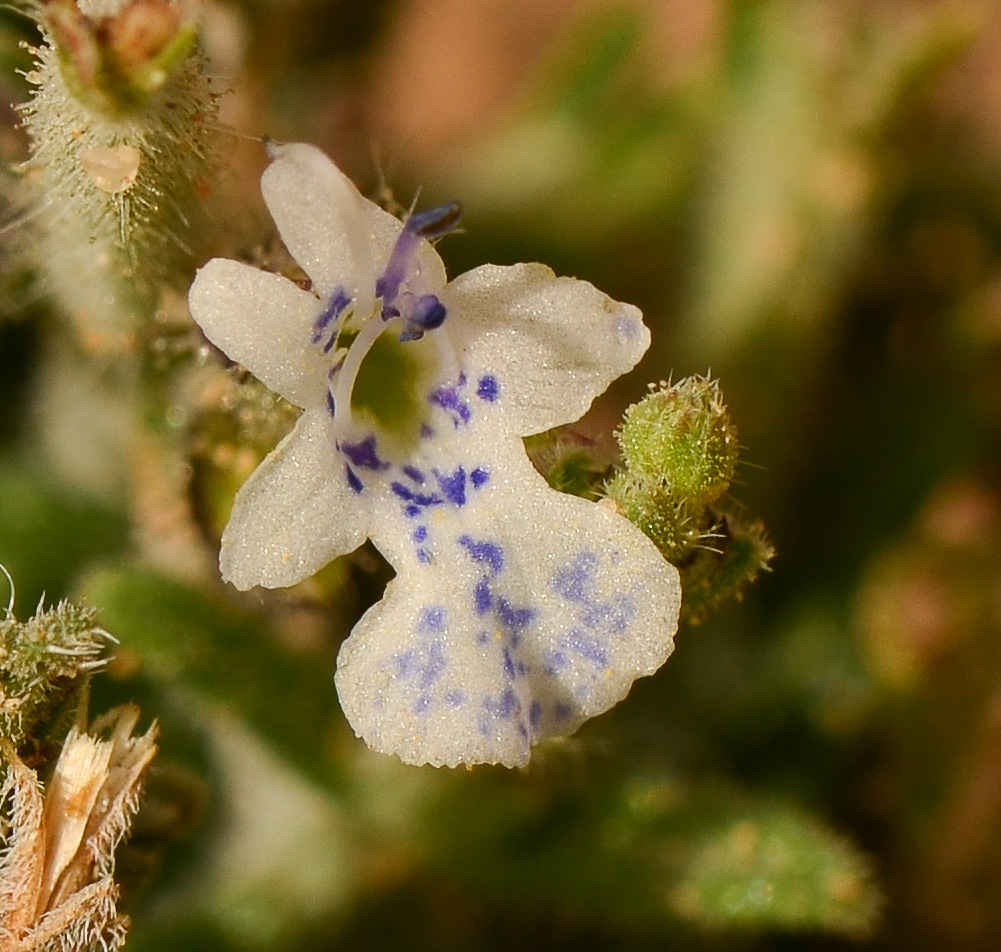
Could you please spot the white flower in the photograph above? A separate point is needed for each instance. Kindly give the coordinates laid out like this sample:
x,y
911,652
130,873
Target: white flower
x,y
517,612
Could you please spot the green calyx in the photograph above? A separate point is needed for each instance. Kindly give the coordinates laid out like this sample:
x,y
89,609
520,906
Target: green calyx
x,y
681,436
679,453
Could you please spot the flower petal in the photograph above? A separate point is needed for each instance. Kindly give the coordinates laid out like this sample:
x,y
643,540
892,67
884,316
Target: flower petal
x,y
517,613
558,342
262,321
338,237
292,516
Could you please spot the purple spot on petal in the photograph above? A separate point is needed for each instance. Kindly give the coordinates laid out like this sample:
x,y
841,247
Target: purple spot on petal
x,y
402,491
412,511
488,389
431,620
482,598
508,664
426,433
535,714
421,705
415,474
420,534
405,663
353,481
455,698
482,638
587,648
562,710
363,454
331,409
485,551
423,556
339,300
512,617
556,661
478,477
453,486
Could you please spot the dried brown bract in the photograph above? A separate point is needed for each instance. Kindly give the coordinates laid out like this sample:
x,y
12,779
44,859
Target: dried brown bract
x,y
57,891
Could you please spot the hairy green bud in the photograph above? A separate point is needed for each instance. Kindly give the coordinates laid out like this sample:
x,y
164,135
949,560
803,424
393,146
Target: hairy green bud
x,y
45,664
681,435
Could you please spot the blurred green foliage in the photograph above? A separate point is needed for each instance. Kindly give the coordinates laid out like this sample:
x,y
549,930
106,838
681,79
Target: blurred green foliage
x,y
813,211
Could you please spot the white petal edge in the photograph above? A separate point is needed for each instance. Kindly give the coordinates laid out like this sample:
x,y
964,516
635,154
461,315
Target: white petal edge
x,y
554,343
264,322
340,238
294,514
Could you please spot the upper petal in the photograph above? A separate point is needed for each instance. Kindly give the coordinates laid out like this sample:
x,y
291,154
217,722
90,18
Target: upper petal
x,y
264,322
338,237
294,514
557,342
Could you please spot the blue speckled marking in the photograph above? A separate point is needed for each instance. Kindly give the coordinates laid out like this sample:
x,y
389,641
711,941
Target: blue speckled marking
x,y
431,620
402,491
504,707
484,551
339,300
482,597
453,485
421,705
488,388
535,714
556,662
363,454
331,407
576,582
588,648
424,556
479,477
508,664
562,710
420,534
411,511
450,399
455,699
413,473
353,481
482,637
511,617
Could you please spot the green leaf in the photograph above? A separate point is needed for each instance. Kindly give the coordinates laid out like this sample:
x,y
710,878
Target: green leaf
x,y
193,641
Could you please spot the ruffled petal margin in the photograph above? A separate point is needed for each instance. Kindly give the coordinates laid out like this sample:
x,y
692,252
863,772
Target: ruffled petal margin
x,y
558,342
533,612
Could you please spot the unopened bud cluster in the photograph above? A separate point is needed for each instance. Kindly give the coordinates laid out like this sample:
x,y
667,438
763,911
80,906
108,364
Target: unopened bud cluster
x,y
118,140
44,666
679,452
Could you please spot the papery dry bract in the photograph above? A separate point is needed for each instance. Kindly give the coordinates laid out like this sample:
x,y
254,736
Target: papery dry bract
x,y
517,612
57,891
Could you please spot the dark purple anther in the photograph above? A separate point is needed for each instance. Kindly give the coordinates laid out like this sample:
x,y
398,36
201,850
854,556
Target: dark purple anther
x,y
432,223
435,222
428,313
